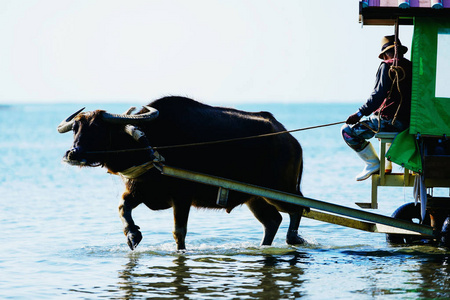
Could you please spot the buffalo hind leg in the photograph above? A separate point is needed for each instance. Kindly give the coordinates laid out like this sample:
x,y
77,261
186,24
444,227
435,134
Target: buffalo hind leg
x,y
295,215
131,230
181,215
292,237
269,217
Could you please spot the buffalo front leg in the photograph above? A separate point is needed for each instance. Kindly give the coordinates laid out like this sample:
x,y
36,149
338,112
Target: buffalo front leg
x,y
269,217
292,237
130,229
180,215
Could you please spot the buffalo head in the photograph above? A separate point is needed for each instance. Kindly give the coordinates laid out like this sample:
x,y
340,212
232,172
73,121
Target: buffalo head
x,y
98,131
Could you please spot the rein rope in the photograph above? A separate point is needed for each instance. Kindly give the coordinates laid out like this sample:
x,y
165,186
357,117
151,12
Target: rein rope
x,y
218,141
396,81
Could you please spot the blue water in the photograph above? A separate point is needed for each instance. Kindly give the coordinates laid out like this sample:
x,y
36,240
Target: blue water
x,y
62,238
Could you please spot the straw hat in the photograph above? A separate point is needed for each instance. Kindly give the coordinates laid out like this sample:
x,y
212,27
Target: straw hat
x,y
387,43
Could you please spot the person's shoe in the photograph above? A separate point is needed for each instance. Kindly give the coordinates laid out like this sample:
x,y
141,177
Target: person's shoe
x,y
370,157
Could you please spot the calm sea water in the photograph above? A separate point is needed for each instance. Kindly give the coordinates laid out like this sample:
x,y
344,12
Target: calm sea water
x,y
62,238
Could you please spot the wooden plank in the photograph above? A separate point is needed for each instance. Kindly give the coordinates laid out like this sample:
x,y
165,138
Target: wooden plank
x,y
443,183
338,220
355,224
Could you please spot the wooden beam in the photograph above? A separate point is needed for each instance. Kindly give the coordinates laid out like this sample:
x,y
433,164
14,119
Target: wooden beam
x,y
344,214
373,15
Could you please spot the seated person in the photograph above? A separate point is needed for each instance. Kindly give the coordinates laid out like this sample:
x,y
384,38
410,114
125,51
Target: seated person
x,y
388,107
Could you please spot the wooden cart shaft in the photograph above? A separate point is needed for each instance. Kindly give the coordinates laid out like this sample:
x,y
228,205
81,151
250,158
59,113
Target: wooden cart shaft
x,y
320,210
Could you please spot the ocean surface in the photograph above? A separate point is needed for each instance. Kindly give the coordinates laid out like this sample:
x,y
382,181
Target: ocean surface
x,y
62,237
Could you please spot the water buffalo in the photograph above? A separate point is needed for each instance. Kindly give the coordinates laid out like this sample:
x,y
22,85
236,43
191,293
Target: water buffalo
x,y
111,140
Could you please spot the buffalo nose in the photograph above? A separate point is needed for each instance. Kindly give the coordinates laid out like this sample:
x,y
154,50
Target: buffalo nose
x,y
72,153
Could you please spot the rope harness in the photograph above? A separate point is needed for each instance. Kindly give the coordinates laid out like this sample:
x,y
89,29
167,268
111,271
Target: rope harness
x,y
136,171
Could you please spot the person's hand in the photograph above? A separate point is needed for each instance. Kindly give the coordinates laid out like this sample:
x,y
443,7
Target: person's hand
x,y
353,119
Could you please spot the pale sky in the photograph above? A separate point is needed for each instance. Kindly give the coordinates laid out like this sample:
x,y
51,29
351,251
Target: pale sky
x,y
215,51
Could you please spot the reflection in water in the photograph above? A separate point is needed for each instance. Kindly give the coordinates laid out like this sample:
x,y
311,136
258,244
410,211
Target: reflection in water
x,y
426,271
435,277
281,276
261,276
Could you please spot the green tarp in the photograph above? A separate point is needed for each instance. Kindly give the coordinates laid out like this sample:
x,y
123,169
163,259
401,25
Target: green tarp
x,y
404,151
430,113
430,103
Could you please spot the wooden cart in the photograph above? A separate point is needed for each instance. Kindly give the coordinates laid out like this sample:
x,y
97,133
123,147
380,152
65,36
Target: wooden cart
x,y
430,111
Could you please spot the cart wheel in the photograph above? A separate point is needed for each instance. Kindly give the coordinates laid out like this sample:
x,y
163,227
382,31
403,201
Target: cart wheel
x,y
408,212
445,234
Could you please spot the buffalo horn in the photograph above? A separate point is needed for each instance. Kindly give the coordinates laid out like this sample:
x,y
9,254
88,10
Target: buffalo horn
x,y
66,125
129,111
131,119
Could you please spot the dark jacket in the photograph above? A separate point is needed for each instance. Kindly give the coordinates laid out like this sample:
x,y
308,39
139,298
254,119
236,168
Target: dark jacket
x,y
381,102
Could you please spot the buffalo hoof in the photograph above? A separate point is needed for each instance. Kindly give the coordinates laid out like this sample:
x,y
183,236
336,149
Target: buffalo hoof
x,y
133,239
293,238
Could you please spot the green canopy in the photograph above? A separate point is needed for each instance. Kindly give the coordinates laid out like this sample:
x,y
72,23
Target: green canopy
x,y
430,103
